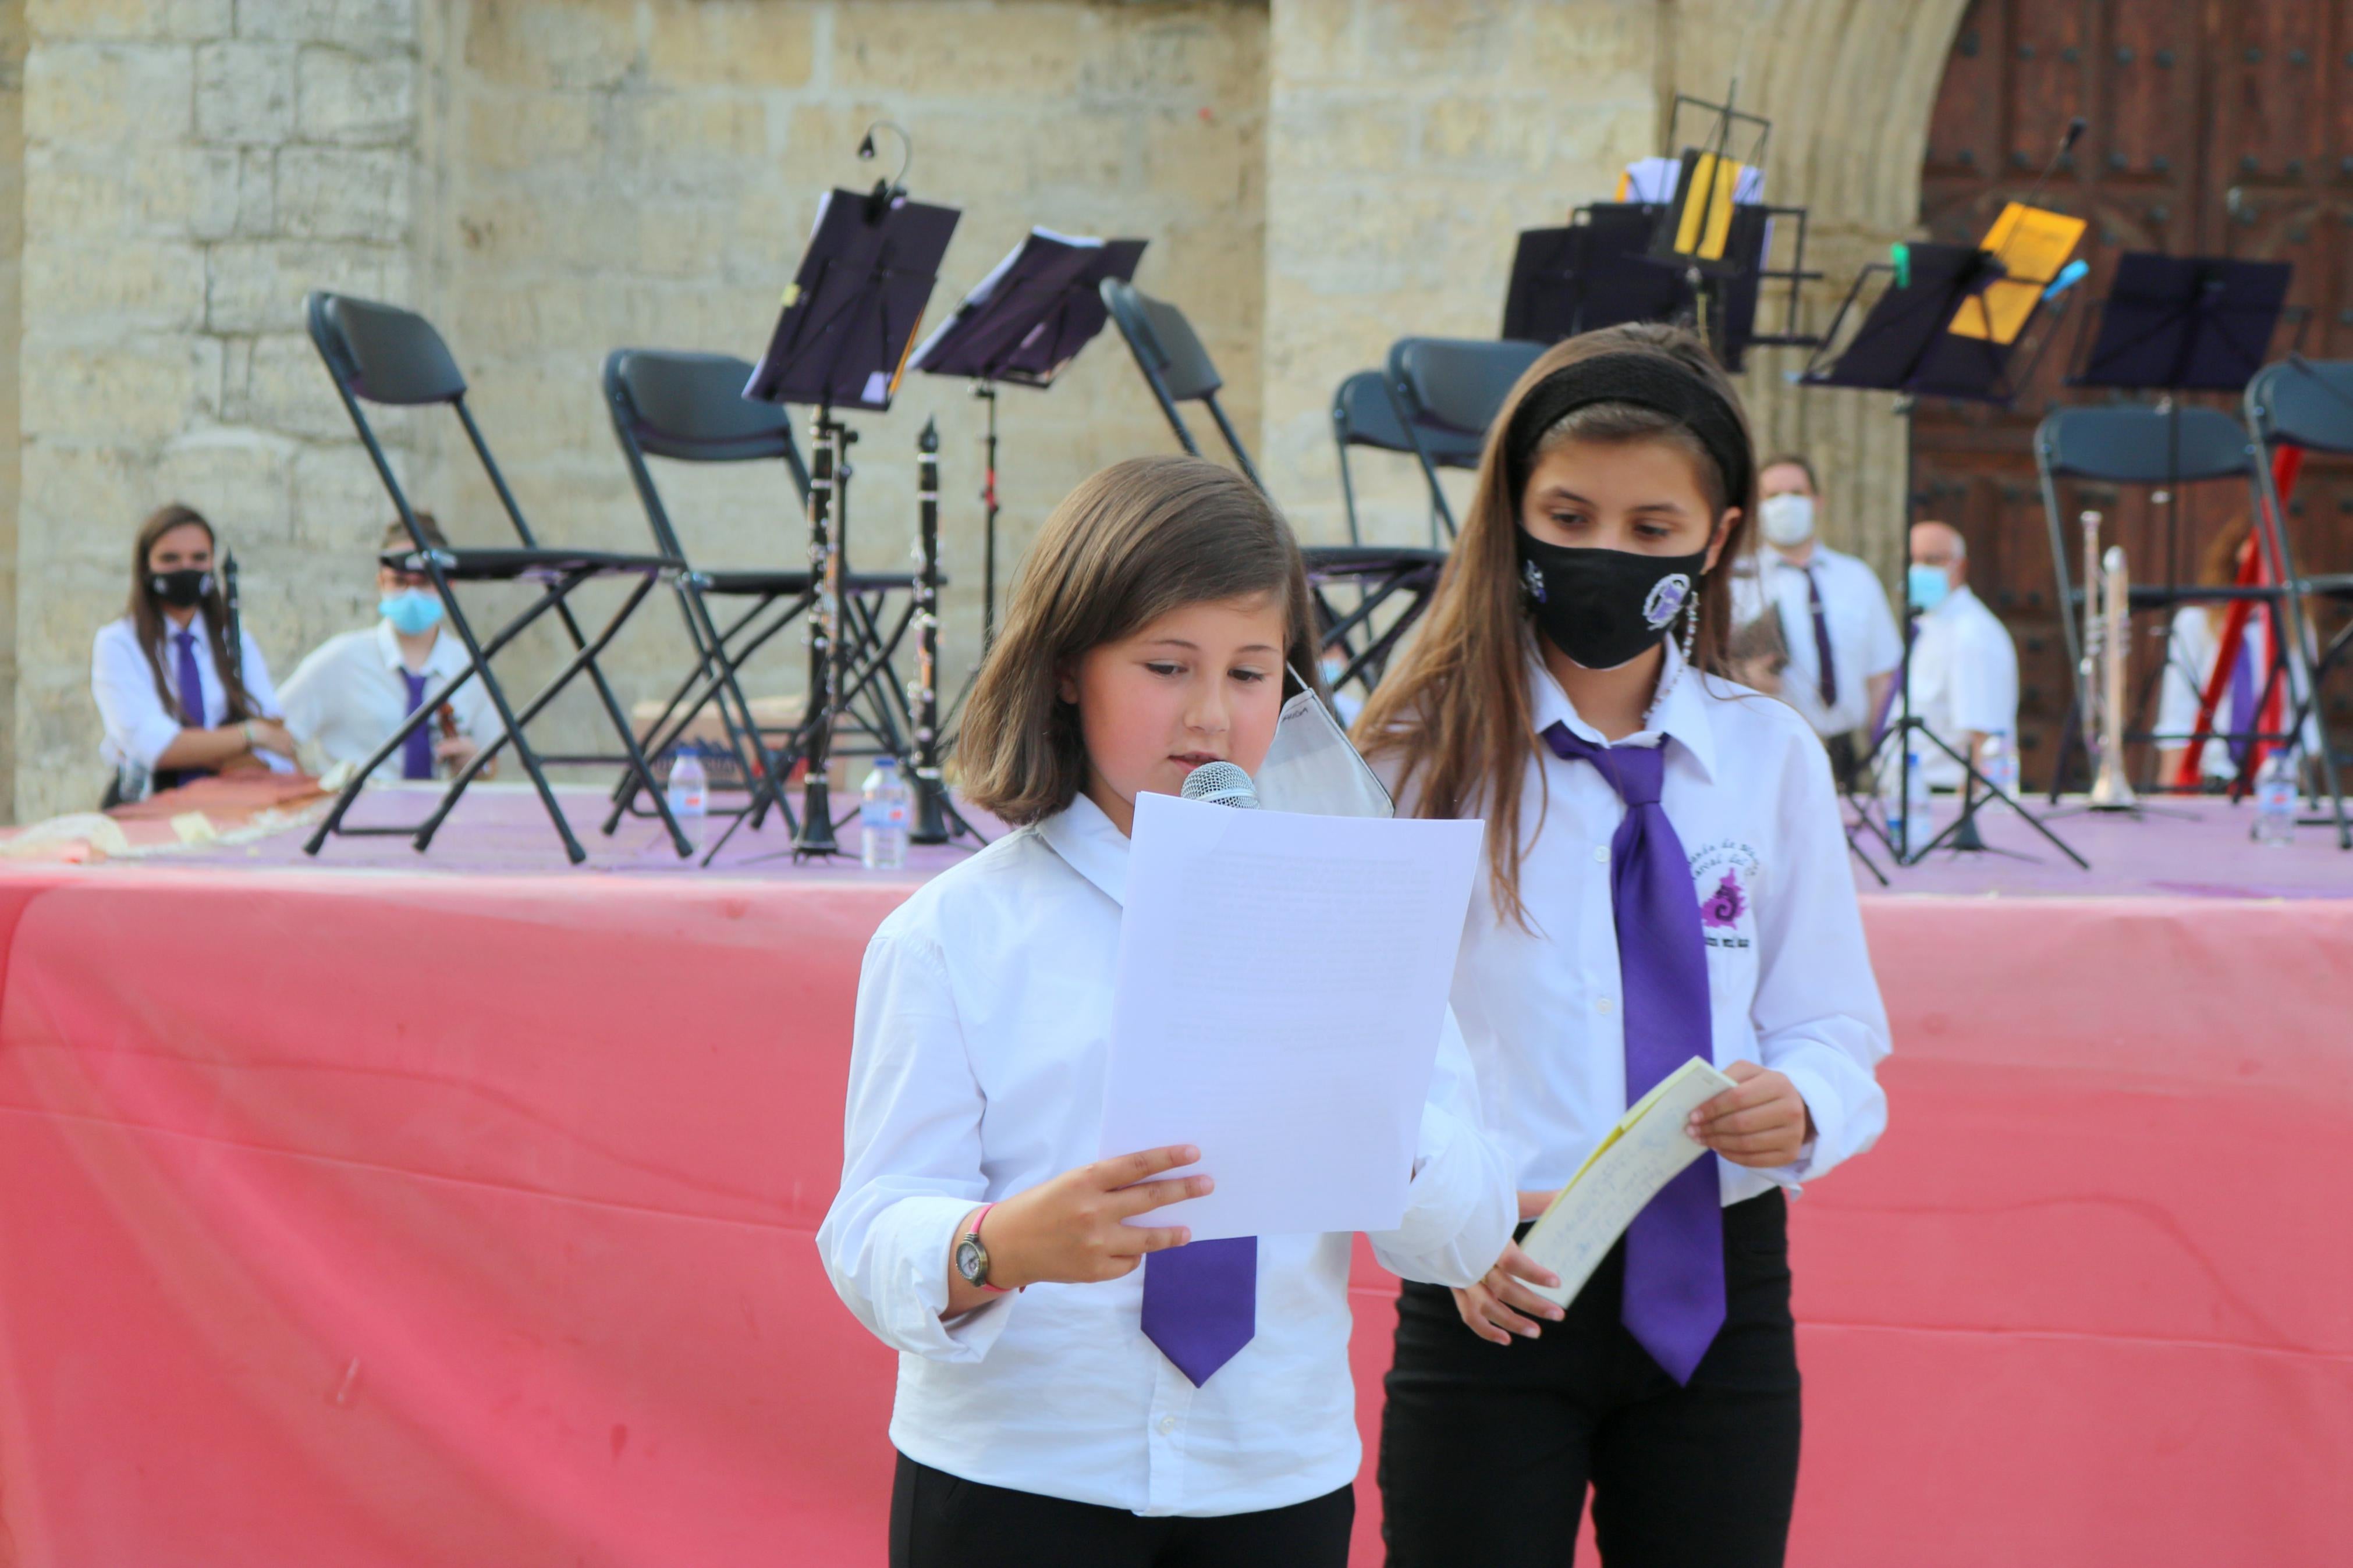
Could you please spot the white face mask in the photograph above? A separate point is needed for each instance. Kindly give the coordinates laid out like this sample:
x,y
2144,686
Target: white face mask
x,y
1312,768
1786,519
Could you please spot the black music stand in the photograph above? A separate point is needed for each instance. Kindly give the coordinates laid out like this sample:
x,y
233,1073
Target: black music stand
x,y
842,341
1907,345
1022,323
2169,324
1600,271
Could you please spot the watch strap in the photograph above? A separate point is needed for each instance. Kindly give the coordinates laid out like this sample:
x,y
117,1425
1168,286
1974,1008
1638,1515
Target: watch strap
x,y
973,1233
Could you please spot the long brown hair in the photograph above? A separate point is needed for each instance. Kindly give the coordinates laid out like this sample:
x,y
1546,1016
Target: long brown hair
x,y
1455,710
1134,543
146,612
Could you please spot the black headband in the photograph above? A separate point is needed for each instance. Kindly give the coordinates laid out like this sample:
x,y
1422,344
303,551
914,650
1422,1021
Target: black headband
x,y
1649,380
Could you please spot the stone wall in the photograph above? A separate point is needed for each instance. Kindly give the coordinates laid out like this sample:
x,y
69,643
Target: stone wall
x,y
189,168
549,179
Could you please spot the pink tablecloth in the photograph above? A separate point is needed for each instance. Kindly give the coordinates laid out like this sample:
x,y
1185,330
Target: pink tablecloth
x,y
381,1220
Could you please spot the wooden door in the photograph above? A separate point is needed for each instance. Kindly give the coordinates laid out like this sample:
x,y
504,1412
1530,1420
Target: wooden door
x,y
2188,102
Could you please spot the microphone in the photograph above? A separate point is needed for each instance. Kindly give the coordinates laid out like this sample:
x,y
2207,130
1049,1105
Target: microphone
x,y
2076,129
1221,784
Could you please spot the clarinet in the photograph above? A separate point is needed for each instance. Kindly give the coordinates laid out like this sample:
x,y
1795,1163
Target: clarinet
x,y
815,835
930,825
233,622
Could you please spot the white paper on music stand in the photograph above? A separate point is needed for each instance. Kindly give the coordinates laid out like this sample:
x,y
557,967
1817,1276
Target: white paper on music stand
x,y
1281,991
1644,1152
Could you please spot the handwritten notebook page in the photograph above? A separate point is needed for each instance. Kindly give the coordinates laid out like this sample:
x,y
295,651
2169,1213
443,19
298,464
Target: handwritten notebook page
x,y
1644,1152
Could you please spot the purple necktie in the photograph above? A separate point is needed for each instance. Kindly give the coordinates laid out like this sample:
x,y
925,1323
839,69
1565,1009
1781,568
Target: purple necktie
x,y
1826,678
1673,1303
2242,695
192,683
1200,1302
417,752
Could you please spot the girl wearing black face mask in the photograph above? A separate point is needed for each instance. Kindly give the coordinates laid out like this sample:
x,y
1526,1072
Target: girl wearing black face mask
x,y
1667,879
174,702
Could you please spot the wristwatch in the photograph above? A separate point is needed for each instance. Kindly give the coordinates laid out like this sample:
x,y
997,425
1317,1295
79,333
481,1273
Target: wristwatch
x,y
972,1255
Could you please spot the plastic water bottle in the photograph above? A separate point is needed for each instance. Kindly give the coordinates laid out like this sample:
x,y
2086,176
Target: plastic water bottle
x,y
883,811
1999,761
1891,798
690,791
2275,802
1919,809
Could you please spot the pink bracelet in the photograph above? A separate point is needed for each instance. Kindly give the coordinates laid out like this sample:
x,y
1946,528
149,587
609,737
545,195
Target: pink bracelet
x,y
977,1222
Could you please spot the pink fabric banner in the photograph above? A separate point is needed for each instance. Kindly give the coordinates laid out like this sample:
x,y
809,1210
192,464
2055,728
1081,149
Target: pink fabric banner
x,y
381,1220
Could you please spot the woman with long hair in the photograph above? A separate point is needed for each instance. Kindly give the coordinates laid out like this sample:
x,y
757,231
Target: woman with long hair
x,y
174,702
1667,879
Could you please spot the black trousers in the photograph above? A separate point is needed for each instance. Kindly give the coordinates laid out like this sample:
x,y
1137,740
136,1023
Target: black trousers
x,y
1487,1449
940,1521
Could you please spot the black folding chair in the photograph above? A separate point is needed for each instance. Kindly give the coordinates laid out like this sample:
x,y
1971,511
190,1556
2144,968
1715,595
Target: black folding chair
x,y
1177,370
1364,415
690,408
382,355
1445,392
2152,448
2307,403
1174,365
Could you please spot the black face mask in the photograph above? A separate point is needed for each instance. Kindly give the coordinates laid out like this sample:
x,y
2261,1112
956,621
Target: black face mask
x,y
1603,607
184,589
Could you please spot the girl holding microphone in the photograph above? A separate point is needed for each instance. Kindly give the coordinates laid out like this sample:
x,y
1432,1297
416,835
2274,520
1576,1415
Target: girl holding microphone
x,y
1667,879
1078,1386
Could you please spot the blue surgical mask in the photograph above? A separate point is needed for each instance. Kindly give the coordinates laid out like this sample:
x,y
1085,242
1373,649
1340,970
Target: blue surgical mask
x,y
411,611
1929,586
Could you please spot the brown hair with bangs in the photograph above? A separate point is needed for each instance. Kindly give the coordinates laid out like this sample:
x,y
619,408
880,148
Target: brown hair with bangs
x,y
1454,710
1129,545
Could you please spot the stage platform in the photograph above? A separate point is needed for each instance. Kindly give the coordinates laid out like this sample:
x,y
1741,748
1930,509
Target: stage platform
x,y
379,1210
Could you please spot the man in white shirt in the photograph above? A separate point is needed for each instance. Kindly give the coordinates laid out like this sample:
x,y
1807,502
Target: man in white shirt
x,y
356,689
1841,636
1964,680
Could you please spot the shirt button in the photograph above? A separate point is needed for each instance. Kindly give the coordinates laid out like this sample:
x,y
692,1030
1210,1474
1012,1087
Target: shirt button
x,y
1606,1006
1602,854
1168,1424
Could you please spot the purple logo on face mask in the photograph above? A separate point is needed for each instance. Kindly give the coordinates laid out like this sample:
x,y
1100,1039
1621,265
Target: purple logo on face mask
x,y
1533,579
1666,600
1724,907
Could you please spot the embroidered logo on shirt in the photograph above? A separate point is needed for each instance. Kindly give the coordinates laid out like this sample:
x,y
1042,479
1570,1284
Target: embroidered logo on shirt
x,y
1724,907
1725,875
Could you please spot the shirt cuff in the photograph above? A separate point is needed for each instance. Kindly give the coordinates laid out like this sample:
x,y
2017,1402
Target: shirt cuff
x,y
911,1242
1444,1237
1822,1151
151,737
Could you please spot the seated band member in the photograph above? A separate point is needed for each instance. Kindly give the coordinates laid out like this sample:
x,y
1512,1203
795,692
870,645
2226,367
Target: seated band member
x,y
355,688
174,702
1964,664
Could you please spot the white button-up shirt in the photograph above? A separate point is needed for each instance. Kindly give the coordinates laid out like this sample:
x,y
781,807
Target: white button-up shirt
x,y
1964,678
1748,787
1863,638
976,1072
139,724
348,695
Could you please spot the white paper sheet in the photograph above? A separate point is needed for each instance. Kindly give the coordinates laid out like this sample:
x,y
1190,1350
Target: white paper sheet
x,y
1642,1154
1281,990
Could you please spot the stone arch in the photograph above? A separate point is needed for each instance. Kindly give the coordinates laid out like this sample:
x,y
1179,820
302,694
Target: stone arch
x,y
1848,85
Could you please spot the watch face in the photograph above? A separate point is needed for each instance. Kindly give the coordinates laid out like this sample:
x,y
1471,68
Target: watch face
x,y
972,1260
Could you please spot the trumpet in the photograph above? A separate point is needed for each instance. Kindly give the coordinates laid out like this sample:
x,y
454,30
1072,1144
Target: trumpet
x,y
2107,653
